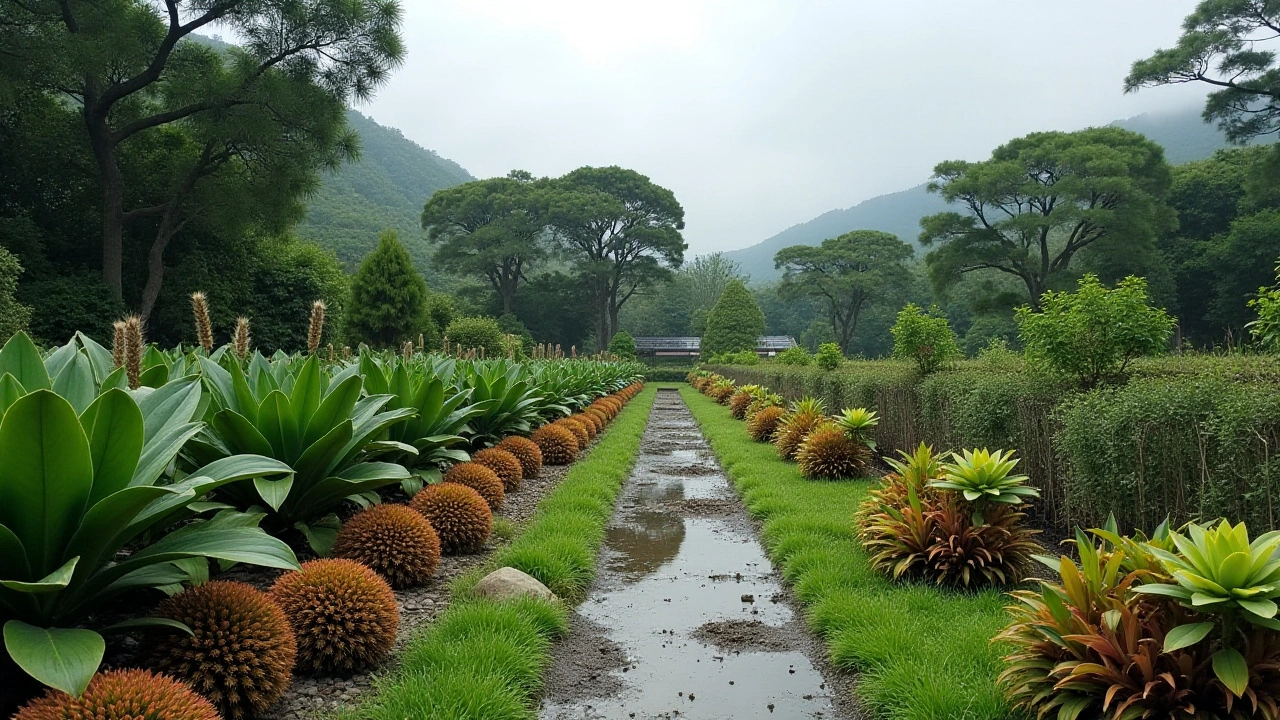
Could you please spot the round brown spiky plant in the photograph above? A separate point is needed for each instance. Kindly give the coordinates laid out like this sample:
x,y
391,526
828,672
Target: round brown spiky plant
x,y
344,616
527,452
393,541
589,422
478,478
505,465
601,418
240,652
579,432
764,423
830,454
122,695
558,445
738,403
460,516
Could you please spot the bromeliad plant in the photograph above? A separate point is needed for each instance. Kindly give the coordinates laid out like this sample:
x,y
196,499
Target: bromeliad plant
x,y
914,526
984,478
319,426
858,424
1114,639
79,488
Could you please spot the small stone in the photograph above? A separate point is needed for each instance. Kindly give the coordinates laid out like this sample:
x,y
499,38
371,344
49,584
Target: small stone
x,y
507,583
748,598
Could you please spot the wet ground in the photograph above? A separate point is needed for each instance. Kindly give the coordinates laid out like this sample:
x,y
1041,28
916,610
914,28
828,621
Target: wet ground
x,y
687,618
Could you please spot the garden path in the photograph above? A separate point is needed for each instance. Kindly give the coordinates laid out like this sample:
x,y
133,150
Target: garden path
x,y
687,618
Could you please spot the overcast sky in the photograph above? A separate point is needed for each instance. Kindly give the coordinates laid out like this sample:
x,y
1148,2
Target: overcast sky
x,y
760,114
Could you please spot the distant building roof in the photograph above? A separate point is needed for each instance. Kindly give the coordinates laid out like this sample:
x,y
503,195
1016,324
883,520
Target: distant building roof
x,y
693,345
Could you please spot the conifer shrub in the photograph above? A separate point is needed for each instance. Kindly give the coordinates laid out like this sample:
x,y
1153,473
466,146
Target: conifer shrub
x,y
122,695
623,345
388,297
503,464
462,519
392,540
478,478
343,614
558,445
735,323
240,652
527,452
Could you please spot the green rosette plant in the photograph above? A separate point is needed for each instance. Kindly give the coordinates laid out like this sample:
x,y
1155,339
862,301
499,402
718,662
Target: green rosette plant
x,y
1218,571
78,489
319,426
983,477
858,424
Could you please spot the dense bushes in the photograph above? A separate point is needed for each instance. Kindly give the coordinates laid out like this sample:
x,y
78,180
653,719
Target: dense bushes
x,y
482,334
1187,436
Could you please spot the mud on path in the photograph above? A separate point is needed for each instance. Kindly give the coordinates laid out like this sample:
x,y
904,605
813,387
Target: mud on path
x,y
687,618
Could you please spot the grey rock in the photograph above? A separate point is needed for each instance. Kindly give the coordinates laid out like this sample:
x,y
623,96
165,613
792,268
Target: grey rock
x,y
507,583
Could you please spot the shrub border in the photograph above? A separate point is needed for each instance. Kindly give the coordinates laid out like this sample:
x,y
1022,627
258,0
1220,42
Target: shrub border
x,y
922,651
484,660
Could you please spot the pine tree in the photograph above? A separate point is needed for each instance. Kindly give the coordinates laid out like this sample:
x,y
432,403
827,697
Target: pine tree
x,y
387,297
735,323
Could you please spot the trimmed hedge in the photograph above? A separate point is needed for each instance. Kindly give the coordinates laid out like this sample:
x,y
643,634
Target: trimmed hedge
x,y
1189,436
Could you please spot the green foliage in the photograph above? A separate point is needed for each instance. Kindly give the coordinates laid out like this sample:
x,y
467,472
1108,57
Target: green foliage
x,y
680,307
984,477
794,356
81,486
743,357
829,356
735,323
925,337
623,345
469,333
1219,46
859,424
1266,328
388,298
846,274
1042,199
1094,333
14,316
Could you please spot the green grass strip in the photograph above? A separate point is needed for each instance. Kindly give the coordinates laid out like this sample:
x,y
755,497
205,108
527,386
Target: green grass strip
x,y
484,660
924,653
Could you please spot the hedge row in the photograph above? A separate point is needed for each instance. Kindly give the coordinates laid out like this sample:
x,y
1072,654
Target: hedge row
x,y
1186,437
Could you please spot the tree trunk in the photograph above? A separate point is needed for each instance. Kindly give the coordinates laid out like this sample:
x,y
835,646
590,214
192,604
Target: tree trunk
x,y
112,214
169,227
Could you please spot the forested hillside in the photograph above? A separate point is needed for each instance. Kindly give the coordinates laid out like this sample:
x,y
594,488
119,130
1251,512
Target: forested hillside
x,y
1183,134
386,188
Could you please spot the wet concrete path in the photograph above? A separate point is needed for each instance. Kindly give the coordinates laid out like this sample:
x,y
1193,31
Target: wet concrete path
x,y
687,618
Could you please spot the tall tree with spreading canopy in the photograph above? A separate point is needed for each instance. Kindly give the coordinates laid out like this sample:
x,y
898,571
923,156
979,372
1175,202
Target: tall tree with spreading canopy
x,y
1042,199
1223,45
264,116
494,228
735,323
847,274
622,230
388,297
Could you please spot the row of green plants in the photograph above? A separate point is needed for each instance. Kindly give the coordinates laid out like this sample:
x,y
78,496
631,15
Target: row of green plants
x,y
128,470
484,659
1175,624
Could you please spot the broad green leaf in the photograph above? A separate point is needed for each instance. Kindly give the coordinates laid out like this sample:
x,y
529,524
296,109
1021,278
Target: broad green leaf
x,y
240,435
1263,607
148,623
305,396
104,528
273,492
161,450
13,556
338,405
154,377
75,382
176,402
1230,667
208,478
99,357
1186,635
53,582
114,426
279,425
46,476
62,658
10,391
21,359
321,533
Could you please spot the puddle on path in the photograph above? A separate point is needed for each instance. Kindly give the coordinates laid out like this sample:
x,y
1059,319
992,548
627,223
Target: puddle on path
x,y
687,618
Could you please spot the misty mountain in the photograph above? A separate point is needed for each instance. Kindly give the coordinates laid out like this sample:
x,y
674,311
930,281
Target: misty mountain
x,y
1183,134
385,189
